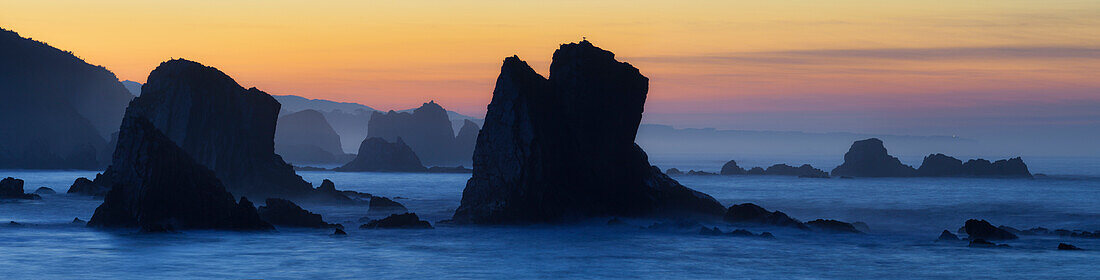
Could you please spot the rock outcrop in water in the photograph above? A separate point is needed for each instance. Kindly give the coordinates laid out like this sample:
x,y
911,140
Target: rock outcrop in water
x,y
832,226
83,186
282,212
306,137
398,221
427,130
44,190
749,213
940,165
731,168
158,187
562,149
379,155
868,158
805,171
56,111
980,229
385,206
12,188
221,125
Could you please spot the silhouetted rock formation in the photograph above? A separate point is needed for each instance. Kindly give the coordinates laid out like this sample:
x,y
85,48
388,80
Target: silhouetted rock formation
x,y
868,158
731,168
398,221
221,125
980,229
385,206
947,236
562,149
466,140
699,172
306,137
65,107
427,130
832,226
44,190
83,186
282,212
940,165
158,187
755,171
805,171
674,172
12,188
376,154
749,213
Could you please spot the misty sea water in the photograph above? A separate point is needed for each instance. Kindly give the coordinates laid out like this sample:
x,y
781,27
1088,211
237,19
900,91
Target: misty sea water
x,y
905,215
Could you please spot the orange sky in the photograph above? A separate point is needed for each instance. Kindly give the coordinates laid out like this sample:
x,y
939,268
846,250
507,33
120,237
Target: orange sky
x,y
703,57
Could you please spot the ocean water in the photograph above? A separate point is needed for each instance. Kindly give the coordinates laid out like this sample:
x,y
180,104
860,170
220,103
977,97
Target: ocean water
x,y
905,216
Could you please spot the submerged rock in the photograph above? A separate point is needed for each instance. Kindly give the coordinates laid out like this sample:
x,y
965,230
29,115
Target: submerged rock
x,y
44,190
220,125
398,221
562,149
980,229
1064,246
832,226
737,232
78,221
731,168
12,188
749,213
158,187
378,155
861,226
982,243
868,158
339,232
456,169
282,212
947,236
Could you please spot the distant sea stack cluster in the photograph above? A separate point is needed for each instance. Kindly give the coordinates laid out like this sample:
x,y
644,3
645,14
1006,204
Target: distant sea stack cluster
x,y
427,130
306,137
869,158
538,163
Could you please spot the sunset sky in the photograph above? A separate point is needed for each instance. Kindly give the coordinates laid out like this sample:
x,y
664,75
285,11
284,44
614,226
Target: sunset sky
x,y
908,67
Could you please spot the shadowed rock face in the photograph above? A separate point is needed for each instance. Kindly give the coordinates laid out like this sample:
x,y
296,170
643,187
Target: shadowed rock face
x,y
398,221
282,212
376,154
749,213
868,158
221,125
980,229
307,137
466,140
560,149
427,130
158,187
65,107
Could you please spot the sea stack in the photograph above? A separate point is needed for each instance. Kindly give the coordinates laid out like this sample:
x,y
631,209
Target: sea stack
x,y
379,155
562,149
306,137
158,187
427,130
868,158
221,125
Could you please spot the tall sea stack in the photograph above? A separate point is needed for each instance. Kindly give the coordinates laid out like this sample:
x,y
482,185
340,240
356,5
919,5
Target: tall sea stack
x,y
221,125
306,137
157,187
561,149
427,130
868,158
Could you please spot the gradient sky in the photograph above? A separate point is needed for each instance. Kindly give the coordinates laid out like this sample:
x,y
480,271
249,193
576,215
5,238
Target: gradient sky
x,y
908,67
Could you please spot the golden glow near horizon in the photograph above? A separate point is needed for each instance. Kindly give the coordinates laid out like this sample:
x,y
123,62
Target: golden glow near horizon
x,y
701,56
